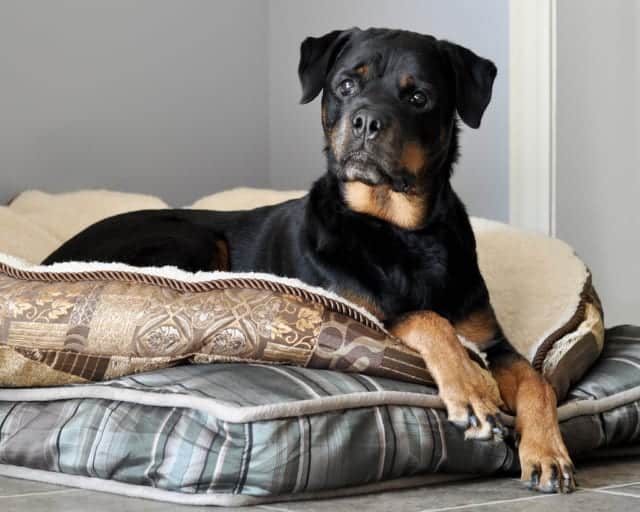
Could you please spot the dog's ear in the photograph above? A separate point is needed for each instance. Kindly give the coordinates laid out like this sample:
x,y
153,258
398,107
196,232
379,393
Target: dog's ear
x,y
317,55
474,80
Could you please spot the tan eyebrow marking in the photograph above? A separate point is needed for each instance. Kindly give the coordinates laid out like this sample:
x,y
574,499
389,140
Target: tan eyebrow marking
x,y
406,81
363,70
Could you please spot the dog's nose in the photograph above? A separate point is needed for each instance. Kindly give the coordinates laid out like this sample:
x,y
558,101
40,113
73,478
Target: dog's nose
x,y
366,123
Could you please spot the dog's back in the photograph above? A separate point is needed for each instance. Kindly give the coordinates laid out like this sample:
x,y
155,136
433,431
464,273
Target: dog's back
x,y
256,240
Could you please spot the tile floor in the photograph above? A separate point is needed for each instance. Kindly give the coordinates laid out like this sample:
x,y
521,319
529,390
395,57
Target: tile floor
x,y
605,486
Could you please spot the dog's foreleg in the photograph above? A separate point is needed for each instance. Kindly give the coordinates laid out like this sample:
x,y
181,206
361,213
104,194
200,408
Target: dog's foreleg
x,y
469,392
545,462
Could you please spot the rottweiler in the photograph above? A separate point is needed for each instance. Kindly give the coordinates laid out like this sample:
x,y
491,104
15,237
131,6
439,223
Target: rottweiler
x,y
382,227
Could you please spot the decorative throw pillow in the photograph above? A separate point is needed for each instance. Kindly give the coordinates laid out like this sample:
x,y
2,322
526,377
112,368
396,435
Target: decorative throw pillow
x,y
84,322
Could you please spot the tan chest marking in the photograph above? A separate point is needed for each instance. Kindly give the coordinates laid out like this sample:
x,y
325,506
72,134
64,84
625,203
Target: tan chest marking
x,y
406,211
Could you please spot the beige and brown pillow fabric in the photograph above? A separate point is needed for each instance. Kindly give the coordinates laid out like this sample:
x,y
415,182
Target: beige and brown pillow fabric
x,y
99,322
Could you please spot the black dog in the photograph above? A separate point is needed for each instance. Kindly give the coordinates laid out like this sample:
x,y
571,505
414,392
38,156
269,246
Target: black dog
x,y
382,227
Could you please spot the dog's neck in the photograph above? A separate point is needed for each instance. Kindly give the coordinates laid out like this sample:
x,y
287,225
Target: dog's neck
x,y
412,210
404,210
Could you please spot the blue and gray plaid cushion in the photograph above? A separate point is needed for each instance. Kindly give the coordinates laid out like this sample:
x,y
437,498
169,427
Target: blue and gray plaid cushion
x,y
237,433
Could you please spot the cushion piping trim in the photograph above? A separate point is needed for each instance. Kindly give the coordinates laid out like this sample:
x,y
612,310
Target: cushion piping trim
x,y
235,414
571,325
181,281
223,410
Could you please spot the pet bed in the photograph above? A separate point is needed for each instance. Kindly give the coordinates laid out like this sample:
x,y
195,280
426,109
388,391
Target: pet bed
x,y
241,433
238,434
541,291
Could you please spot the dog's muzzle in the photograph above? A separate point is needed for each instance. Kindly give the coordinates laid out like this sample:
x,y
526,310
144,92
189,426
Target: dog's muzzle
x,y
360,166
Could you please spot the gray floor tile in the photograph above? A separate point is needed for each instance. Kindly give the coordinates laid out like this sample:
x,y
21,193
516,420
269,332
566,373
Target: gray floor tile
x,y
13,486
83,501
472,493
609,472
492,494
628,489
415,500
583,501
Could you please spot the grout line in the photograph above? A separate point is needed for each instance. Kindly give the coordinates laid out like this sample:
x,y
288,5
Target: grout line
x,y
602,490
605,490
617,493
486,503
40,493
614,486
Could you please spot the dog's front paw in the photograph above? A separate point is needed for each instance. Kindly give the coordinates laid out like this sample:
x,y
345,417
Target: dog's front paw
x,y
472,399
545,462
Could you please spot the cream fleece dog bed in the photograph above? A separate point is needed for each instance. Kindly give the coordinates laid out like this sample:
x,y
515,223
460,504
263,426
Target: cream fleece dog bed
x,y
540,289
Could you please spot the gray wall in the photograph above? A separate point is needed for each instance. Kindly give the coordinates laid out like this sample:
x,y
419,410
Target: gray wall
x,y
182,98
598,152
295,134
158,96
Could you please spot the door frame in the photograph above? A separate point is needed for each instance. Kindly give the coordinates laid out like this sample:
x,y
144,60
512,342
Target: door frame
x,y
532,114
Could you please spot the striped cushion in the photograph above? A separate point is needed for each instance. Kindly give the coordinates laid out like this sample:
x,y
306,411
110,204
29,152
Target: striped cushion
x,y
232,434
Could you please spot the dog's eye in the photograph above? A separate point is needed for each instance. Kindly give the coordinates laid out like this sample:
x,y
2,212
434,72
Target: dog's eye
x,y
418,99
347,87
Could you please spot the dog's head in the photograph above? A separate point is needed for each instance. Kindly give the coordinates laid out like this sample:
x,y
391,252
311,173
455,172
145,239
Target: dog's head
x,y
389,107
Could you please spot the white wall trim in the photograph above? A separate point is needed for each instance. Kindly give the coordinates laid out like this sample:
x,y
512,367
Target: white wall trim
x,y
532,96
